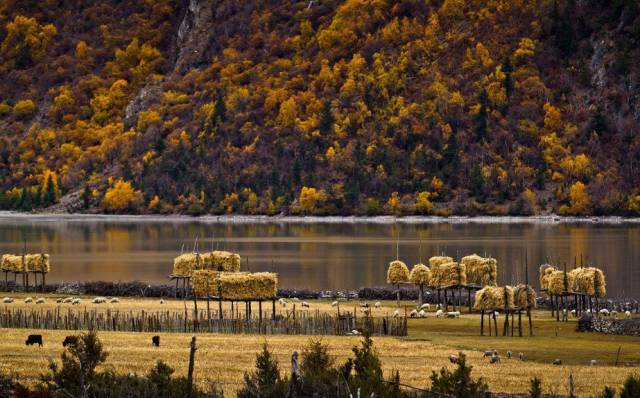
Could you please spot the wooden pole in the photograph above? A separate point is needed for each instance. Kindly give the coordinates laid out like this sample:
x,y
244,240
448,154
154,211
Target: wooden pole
x,y
220,307
469,298
446,301
260,311
195,312
495,323
530,321
482,323
192,354
489,323
505,330
273,309
519,323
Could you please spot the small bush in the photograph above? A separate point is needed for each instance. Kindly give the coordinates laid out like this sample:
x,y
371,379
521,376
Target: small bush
x,y
459,382
535,391
265,381
631,387
23,109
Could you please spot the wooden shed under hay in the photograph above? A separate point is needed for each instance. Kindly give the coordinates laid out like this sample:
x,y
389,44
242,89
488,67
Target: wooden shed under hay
x,y
448,274
590,281
481,271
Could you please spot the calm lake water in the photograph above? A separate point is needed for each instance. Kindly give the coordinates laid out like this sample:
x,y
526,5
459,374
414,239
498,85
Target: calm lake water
x,y
319,255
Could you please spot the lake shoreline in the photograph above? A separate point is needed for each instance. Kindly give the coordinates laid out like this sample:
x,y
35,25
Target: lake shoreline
x,y
281,219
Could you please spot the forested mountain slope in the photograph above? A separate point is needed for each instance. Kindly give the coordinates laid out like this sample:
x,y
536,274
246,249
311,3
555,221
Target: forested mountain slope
x,y
321,106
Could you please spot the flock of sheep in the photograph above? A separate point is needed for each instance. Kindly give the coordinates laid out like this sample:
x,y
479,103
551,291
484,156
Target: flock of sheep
x,y
66,300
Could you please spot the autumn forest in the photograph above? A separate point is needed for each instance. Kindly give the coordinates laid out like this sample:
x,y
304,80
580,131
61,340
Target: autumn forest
x,y
320,107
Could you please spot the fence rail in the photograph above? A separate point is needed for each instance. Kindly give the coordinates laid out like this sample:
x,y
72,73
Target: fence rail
x,y
299,322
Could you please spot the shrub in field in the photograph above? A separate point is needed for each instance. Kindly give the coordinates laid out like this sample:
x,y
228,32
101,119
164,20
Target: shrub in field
x,y
368,370
608,392
265,381
631,387
535,391
459,382
318,371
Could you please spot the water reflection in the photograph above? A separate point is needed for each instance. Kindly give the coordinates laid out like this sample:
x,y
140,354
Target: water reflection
x,y
321,255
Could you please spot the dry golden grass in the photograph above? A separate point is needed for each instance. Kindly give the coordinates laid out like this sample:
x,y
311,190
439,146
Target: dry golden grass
x,y
224,358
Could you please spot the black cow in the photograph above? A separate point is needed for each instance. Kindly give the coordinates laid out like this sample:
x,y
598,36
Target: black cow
x,y
69,340
155,340
34,339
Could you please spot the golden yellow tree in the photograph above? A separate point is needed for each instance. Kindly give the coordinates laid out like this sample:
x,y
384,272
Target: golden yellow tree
x,y
122,196
423,203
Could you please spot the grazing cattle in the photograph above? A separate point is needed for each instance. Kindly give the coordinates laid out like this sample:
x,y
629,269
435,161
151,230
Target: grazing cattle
x,y
155,340
488,353
521,356
509,354
494,359
69,340
34,339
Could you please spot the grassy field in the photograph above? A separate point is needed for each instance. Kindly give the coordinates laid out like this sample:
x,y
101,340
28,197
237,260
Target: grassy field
x,y
224,358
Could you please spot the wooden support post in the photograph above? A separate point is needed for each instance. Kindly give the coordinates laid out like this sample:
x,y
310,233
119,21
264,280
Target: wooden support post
x,y
175,293
512,323
44,274
505,326
192,354
469,298
208,310
446,301
489,323
439,300
219,307
520,323
495,323
260,311
482,323
557,306
552,306
273,309
530,321
26,289
195,312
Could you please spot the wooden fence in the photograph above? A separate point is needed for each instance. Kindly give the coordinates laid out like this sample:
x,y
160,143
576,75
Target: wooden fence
x,y
298,322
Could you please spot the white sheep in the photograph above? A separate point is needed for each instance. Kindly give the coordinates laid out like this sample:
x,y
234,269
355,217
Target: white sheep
x,y
334,304
59,300
114,300
396,313
593,362
68,300
295,299
439,313
99,300
453,314
305,304
627,314
422,314
355,332
40,300
364,305
75,301
413,313
377,304
496,313
7,300
604,312
573,313
425,306
28,300
521,356
161,301
614,313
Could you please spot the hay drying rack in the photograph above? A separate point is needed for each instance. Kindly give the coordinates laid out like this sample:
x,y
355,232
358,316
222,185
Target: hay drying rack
x,y
25,277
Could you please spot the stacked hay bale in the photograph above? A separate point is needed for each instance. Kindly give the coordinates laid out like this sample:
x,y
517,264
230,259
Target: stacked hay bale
x,y
397,272
438,260
12,263
560,282
221,261
448,274
481,271
248,286
590,281
205,282
492,297
37,263
420,276
525,296
545,272
186,264
27,263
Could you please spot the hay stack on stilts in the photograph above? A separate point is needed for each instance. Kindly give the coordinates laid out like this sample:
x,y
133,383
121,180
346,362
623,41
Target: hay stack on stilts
x,y
420,276
590,281
185,264
205,283
494,298
37,263
448,274
481,271
545,272
12,263
396,274
248,286
525,296
437,260
221,261
560,282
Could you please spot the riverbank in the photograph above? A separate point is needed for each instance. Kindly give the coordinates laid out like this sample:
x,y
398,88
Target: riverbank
x,y
248,219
